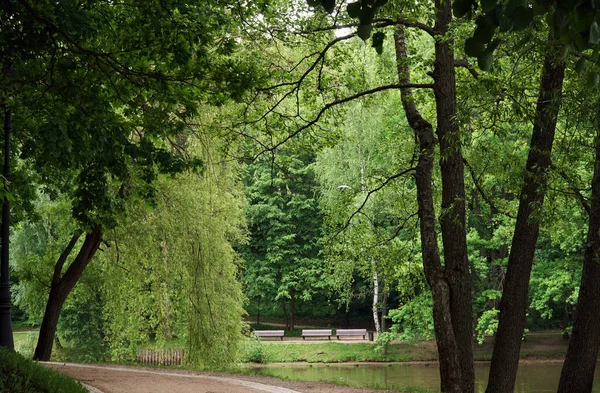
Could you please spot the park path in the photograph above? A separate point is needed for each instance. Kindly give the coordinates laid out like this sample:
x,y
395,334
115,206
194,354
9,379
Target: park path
x,y
125,379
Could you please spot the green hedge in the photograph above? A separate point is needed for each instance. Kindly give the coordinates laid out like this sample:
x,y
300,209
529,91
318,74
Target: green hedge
x,y
21,375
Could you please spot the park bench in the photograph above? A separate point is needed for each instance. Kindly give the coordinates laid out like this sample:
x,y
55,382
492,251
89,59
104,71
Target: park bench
x,y
350,333
316,333
269,333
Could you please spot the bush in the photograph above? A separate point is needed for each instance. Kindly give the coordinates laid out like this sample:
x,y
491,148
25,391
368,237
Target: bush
x,y
21,375
252,350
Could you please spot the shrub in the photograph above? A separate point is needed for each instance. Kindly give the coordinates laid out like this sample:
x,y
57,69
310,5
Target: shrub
x,y
21,375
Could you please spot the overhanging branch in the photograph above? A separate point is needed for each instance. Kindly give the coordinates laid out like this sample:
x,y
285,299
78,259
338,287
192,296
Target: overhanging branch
x,y
371,192
343,101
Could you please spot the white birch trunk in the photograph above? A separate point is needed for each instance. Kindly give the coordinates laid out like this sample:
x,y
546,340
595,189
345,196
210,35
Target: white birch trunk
x,y
375,297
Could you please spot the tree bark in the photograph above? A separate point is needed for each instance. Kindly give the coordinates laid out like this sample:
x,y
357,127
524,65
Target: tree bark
x,y
292,307
375,298
453,216
580,362
450,370
513,305
383,319
62,286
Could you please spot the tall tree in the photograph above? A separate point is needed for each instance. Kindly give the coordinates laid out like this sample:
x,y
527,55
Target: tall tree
x,y
284,221
582,356
513,306
171,271
98,90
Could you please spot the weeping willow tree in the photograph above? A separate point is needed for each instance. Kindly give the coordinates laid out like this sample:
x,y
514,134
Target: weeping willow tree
x,y
171,271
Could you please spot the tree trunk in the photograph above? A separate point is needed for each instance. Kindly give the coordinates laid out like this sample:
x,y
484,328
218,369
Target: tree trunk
x,y
258,313
453,216
62,286
286,318
513,305
383,319
580,362
292,308
450,370
375,298
384,307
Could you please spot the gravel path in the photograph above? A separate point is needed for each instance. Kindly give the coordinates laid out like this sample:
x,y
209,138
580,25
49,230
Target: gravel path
x,y
124,379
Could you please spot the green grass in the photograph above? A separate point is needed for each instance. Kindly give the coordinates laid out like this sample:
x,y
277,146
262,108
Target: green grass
x,y
545,345
25,342
332,352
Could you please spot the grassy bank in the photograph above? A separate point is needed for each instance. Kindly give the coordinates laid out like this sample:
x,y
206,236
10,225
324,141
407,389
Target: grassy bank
x,y
547,345
18,374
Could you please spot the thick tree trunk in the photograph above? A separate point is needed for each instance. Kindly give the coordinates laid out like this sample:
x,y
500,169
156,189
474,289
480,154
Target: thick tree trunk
x,y
505,358
580,363
450,370
62,286
453,216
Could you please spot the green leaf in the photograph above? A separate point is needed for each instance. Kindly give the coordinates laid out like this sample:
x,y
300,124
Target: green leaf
x,y
329,5
579,66
592,79
484,31
462,7
473,48
366,15
364,31
488,5
485,60
353,10
594,34
493,45
378,39
522,18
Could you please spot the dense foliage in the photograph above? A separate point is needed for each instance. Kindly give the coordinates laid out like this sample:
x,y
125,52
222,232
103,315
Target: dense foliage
x,y
357,179
18,374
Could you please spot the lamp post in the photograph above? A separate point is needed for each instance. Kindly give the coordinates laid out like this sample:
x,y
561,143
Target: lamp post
x,y
6,336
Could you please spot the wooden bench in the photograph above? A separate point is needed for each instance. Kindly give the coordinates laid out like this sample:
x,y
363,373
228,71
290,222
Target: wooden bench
x,y
316,333
269,333
351,332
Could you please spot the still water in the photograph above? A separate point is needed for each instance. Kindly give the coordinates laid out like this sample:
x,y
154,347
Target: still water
x,y
531,378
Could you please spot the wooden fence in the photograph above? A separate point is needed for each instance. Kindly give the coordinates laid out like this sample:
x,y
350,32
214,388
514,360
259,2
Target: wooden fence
x,y
162,357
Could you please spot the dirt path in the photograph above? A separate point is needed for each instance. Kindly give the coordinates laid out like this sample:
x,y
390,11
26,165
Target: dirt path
x,y
124,379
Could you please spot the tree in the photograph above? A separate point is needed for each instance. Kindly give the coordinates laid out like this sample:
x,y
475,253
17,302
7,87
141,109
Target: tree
x,y
513,305
96,91
171,271
284,221
369,231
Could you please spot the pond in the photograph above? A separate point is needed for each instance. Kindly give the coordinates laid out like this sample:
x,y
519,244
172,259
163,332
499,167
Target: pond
x,y
531,378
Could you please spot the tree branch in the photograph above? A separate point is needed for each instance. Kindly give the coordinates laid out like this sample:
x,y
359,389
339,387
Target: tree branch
x,y
385,183
482,192
468,66
63,257
343,101
576,191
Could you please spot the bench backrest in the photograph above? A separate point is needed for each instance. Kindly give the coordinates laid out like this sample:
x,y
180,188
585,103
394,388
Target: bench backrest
x,y
269,333
316,332
356,332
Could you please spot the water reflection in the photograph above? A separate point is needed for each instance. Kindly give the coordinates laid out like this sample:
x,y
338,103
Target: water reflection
x,y
531,378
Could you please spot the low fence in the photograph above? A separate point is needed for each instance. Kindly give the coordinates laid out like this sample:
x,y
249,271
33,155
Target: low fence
x,y
160,357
